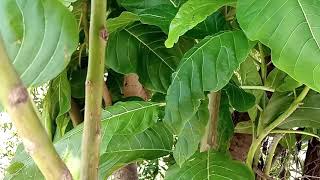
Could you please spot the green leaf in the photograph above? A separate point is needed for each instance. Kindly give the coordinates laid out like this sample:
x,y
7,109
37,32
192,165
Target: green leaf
x,y
138,5
307,115
118,23
190,136
39,37
211,166
279,102
290,29
153,143
225,127
162,16
77,83
238,98
249,76
280,81
139,49
208,66
190,14
116,135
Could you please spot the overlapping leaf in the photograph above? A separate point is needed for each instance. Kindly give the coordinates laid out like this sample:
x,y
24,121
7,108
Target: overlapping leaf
x,y
139,49
208,66
307,115
39,37
138,5
190,136
210,166
162,16
291,30
140,115
155,142
190,14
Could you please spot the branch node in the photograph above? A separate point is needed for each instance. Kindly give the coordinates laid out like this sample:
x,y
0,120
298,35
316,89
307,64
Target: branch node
x,y
104,34
18,95
29,146
66,175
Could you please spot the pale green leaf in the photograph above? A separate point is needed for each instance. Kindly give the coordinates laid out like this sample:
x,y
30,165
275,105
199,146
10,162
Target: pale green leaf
x,y
280,81
307,115
39,37
291,29
210,166
138,5
208,66
134,137
190,14
190,136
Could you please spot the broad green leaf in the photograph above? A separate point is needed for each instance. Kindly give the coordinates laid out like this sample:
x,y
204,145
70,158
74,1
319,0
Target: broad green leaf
x,y
225,126
190,14
280,81
77,83
153,143
118,23
138,5
139,49
307,115
162,16
244,127
249,76
208,66
39,37
238,98
210,166
291,30
140,117
190,136
279,102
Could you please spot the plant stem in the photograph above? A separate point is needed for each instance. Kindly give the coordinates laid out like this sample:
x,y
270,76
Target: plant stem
x,y
263,88
256,143
94,86
271,152
294,132
75,114
263,64
16,100
106,95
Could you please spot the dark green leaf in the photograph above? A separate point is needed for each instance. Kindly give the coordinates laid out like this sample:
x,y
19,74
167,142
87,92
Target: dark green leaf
x,y
238,98
139,49
39,37
210,166
77,83
190,14
208,66
290,29
138,5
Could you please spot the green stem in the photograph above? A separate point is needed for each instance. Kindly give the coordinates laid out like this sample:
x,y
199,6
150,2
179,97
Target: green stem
x,y
294,132
16,100
256,143
263,88
94,86
263,64
271,152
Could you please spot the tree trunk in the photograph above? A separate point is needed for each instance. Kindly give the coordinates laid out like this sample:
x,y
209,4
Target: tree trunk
x,y
312,161
131,87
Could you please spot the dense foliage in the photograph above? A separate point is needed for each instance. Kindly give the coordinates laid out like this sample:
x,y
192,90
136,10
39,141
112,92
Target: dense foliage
x,y
202,63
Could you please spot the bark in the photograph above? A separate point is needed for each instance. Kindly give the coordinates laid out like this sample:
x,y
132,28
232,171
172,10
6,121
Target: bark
x,y
75,114
131,87
240,145
312,161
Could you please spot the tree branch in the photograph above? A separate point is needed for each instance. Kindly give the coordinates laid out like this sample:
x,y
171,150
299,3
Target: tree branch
x,y
75,114
16,100
94,85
